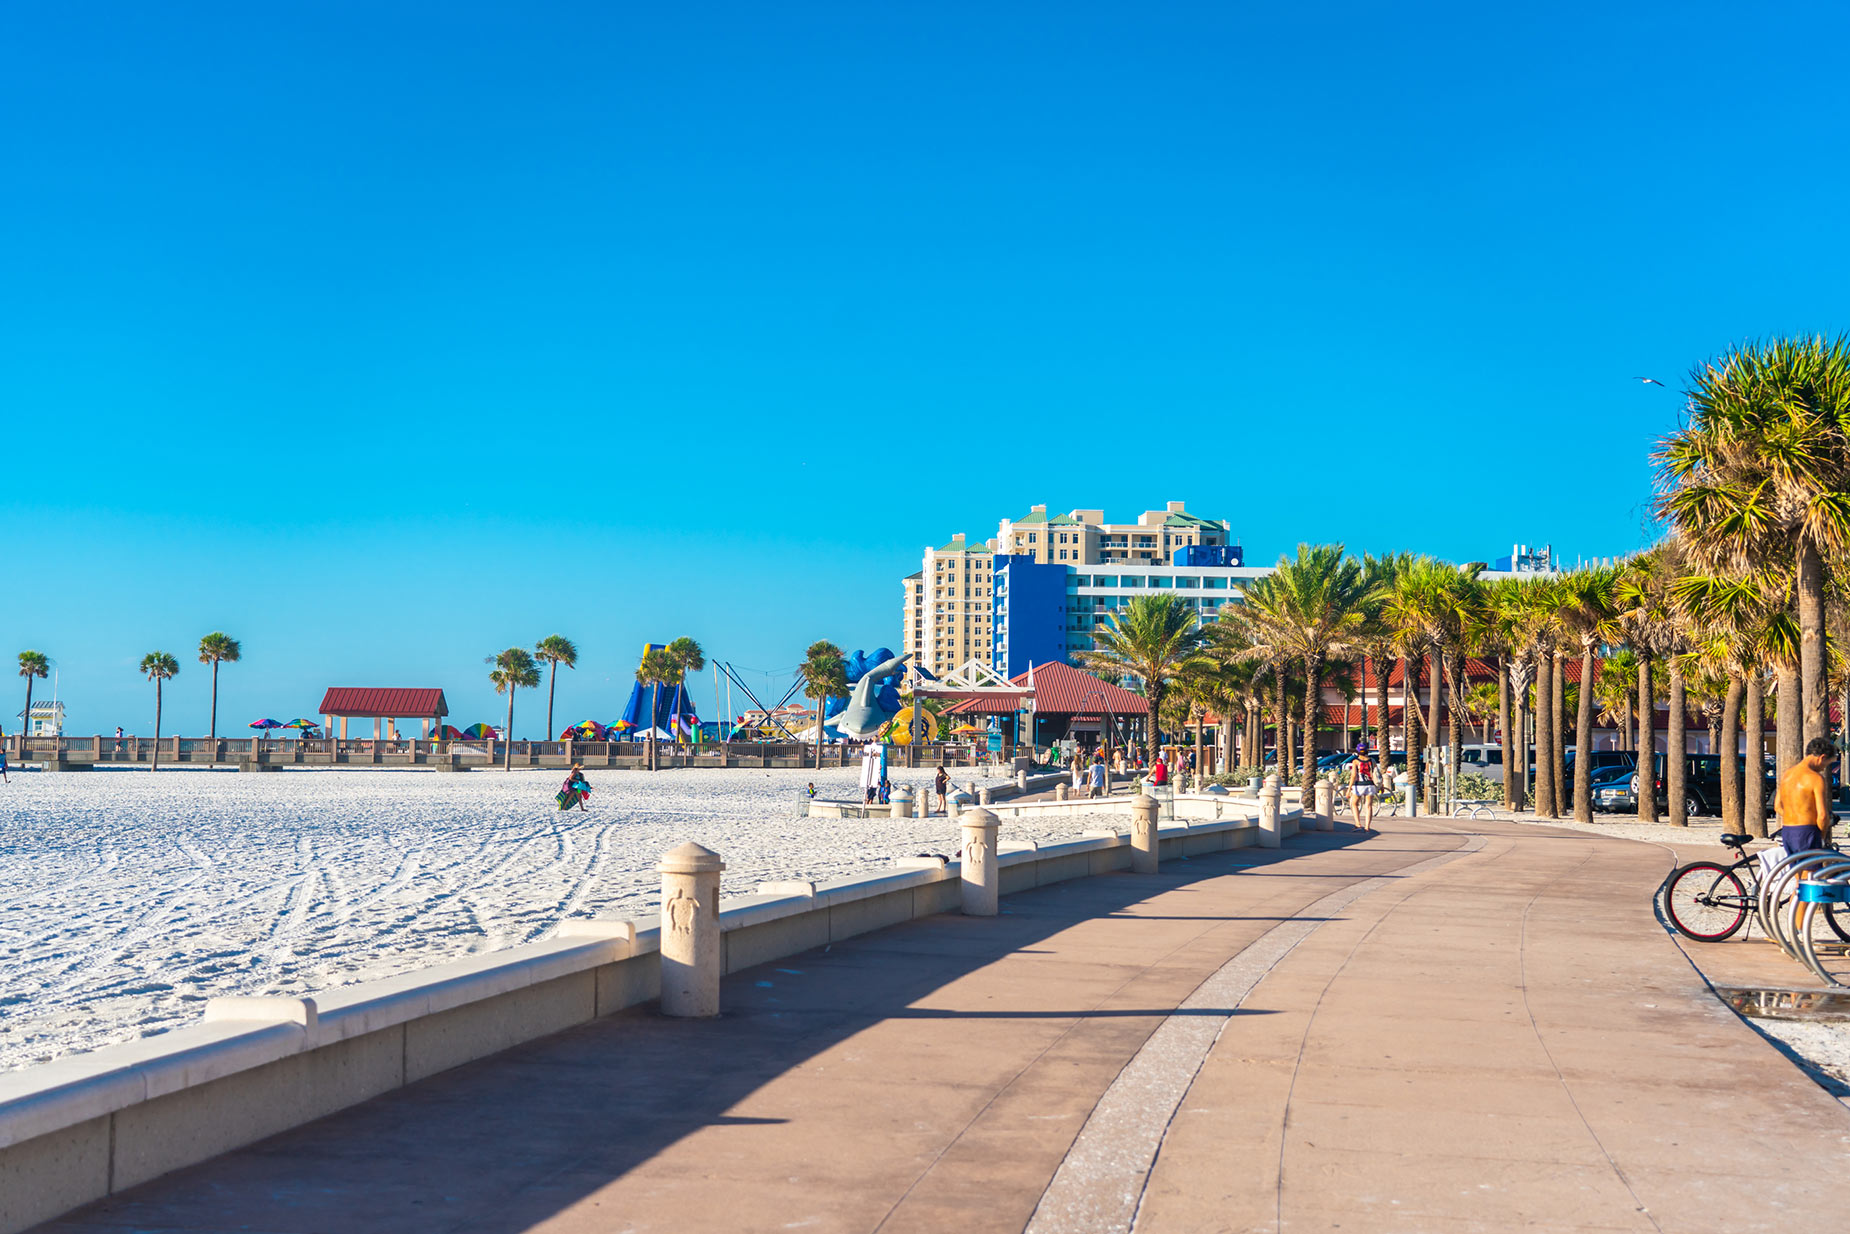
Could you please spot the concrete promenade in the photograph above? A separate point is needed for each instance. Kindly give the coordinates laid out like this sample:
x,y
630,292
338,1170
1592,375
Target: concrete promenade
x,y
1453,1025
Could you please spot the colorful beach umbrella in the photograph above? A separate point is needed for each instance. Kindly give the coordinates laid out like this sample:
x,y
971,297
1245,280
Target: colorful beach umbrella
x,y
477,732
266,723
302,724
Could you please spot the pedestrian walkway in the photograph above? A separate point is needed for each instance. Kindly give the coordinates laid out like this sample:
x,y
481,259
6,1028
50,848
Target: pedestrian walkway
x,y
1448,1026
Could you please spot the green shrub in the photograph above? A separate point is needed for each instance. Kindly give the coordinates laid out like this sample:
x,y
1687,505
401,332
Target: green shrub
x,y
1475,787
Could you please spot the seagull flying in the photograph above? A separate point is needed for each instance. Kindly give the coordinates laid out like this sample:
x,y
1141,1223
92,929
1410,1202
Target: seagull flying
x,y
1650,381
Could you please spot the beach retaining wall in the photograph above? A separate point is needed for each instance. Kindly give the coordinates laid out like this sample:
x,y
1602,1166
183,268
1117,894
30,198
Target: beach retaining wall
x,y
84,1127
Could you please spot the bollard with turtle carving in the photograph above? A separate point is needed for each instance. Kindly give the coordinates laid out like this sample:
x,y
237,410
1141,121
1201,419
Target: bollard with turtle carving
x,y
691,955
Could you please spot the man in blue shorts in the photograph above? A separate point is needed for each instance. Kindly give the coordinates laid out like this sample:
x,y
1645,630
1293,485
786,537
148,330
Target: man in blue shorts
x,y
1805,799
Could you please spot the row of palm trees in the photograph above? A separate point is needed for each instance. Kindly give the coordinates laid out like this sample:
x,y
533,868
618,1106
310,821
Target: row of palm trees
x,y
1729,613
518,669
215,649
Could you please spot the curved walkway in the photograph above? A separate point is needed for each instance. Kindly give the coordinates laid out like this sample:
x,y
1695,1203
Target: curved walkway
x,y
1449,1026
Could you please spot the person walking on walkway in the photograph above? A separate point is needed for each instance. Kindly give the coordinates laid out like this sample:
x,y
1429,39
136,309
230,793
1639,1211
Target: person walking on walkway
x,y
941,785
1159,773
1363,790
1097,784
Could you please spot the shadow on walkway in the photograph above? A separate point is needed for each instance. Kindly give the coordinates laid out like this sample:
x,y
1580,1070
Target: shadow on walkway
x,y
502,1144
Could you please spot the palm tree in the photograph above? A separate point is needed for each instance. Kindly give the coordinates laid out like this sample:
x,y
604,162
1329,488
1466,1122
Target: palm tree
x,y
1314,608
554,649
33,666
1437,606
1377,634
158,666
825,676
1742,624
1762,471
689,659
1153,637
1587,610
657,669
1643,608
514,669
215,649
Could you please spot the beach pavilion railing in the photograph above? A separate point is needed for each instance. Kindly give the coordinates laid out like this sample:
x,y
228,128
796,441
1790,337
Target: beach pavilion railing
x,y
266,753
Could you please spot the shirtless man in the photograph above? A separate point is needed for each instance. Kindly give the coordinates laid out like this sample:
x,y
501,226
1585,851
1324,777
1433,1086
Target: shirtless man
x,y
1805,800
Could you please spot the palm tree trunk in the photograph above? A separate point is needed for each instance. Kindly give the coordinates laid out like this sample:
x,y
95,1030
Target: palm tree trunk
x,y
1676,756
1381,705
1281,746
1647,743
1730,763
1583,738
1410,725
155,763
212,732
1788,745
1151,737
552,688
1815,693
1456,733
1544,737
507,735
1558,674
1313,673
1753,779
25,722
1503,730
1434,692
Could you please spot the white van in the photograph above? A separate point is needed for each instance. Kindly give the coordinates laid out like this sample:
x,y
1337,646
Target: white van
x,y
1481,757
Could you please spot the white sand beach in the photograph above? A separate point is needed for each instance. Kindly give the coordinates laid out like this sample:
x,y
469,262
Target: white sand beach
x,y
127,898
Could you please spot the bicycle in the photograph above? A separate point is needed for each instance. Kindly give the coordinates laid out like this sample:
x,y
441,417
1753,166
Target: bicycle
x,y
1709,902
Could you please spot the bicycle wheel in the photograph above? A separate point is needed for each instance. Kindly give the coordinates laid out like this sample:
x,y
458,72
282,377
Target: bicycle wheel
x,y
1838,915
1706,901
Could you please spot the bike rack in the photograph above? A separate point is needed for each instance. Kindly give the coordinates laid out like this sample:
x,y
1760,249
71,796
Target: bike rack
x,y
1829,883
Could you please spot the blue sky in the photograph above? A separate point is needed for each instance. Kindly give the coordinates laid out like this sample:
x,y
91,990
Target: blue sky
x,y
385,336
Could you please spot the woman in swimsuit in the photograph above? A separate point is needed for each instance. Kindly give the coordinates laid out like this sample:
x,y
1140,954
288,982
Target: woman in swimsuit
x,y
1362,787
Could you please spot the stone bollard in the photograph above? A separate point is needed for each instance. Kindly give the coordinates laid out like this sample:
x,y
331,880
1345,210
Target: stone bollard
x,y
902,802
981,883
1021,781
1143,834
690,931
970,787
959,802
1271,834
1062,791
1326,805
982,796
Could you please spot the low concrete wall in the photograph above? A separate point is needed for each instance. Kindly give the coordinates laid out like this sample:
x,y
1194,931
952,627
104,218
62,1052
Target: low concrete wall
x,y
78,1129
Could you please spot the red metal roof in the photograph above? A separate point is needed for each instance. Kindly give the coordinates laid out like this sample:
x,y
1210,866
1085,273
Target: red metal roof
x,y
1063,688
380,701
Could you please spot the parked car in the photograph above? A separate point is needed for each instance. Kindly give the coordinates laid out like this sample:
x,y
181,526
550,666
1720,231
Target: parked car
x,y
1336,761
1614,790
1480,758
1605,760
1702,784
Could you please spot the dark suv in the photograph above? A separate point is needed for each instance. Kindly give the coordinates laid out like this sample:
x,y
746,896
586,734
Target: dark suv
x,y
1702,783
1605,760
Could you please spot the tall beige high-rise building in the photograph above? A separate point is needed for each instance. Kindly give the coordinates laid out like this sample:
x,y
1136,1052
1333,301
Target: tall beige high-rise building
x,y
948,605
949,610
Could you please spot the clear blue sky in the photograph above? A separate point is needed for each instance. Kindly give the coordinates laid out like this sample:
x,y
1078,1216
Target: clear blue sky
x,y
383,336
